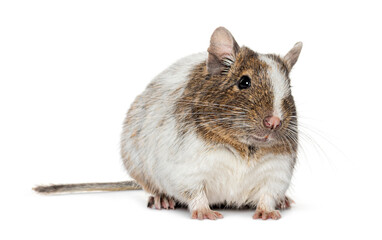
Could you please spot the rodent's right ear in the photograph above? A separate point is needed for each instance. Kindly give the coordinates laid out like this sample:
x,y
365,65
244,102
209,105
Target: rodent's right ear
x,y
222,51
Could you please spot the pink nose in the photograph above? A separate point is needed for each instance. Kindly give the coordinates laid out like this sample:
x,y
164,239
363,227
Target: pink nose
x,y
272,122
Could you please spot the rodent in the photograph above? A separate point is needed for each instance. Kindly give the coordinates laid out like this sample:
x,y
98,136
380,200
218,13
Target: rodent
x,y
214,128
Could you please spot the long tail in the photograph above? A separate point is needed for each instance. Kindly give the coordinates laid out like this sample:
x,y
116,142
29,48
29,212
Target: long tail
x,y
88,187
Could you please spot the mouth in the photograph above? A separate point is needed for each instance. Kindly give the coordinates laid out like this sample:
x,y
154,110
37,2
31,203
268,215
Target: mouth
x,y
254,138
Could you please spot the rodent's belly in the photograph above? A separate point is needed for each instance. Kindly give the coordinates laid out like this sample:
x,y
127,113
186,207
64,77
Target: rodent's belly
x,y
230,190
234,184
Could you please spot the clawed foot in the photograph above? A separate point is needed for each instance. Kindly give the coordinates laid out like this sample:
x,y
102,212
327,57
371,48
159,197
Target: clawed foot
x,y
161,201
262,214
206,214
285,203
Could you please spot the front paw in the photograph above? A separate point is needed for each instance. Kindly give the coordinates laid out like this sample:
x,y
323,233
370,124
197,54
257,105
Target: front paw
x,y
205,214
263,214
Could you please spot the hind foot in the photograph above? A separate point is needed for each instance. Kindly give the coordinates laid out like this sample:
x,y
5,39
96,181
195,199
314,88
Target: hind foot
x,y
285,203
206,214
161,201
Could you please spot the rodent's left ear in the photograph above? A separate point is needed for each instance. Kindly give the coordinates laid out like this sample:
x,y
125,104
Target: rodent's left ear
x,y
222,51
292,56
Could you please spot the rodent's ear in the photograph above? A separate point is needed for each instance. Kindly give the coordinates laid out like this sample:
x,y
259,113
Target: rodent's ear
x,y
292,56
222,51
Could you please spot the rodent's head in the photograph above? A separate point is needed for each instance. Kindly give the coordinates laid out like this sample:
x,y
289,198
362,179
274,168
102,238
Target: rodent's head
x,y
242,97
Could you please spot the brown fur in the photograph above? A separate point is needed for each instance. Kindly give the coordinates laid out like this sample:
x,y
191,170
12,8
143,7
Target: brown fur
x,y
208,99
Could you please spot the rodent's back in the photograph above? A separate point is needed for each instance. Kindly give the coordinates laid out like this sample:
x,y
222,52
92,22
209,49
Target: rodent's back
x,y
150,125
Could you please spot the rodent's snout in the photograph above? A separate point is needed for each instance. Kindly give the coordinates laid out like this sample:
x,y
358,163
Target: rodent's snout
x,y
272,122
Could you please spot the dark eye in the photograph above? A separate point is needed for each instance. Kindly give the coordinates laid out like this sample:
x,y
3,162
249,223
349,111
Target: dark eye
x,y
244,82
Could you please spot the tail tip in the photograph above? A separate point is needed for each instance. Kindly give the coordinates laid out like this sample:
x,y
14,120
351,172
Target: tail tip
x,y
46,189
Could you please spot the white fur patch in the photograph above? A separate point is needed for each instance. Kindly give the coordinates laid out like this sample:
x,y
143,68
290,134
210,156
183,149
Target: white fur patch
x,y
279,85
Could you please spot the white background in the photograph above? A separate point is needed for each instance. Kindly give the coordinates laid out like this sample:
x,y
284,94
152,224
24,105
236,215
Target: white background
x,y
69,71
